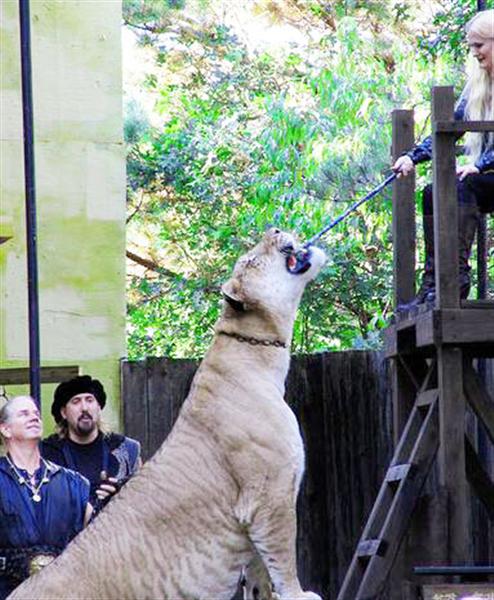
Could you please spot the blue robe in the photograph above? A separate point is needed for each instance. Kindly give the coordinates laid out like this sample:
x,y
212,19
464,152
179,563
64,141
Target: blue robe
x,y
47,525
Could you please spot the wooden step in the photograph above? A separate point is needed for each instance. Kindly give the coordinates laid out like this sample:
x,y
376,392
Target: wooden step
x,y
399,472
425,399
368,548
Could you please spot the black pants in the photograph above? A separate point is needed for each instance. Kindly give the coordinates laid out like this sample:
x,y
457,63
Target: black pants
x,y
473,189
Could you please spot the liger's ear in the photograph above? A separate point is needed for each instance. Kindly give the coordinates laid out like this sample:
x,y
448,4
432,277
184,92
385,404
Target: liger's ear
x,y
232,292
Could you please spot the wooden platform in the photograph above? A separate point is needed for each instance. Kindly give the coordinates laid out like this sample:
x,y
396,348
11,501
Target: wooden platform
x,y
422,331
434,376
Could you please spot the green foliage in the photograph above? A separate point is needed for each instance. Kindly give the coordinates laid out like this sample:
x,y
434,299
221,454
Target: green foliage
x,y
448,30
251,140
150,14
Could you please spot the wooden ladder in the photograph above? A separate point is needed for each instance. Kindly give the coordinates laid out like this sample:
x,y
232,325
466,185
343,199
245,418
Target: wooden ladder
x,y
400,490
416,450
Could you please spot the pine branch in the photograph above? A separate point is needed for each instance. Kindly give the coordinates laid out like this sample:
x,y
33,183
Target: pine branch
x,y
151,265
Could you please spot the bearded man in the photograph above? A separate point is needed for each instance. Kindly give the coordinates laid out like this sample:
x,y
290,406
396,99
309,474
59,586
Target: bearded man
x,y
107,460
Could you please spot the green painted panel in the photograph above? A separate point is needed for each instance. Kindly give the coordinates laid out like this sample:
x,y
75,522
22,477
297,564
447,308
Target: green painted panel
x,y
80,186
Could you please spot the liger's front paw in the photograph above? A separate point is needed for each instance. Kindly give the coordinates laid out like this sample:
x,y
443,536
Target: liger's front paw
x,y
302,596
310,596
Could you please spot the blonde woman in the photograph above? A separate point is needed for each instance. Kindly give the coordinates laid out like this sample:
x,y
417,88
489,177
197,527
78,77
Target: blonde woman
x,y
475,181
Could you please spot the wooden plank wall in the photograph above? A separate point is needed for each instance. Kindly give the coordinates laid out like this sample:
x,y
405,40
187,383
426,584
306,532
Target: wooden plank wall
x,y
343,403
152,393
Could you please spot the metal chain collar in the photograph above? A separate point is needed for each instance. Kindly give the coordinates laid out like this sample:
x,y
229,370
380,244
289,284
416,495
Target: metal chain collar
x,y
254,341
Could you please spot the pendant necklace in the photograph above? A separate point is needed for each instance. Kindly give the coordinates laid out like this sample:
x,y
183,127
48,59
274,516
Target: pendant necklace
x,y
35,489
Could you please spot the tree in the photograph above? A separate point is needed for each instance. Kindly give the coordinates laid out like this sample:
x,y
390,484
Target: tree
x,y
251,139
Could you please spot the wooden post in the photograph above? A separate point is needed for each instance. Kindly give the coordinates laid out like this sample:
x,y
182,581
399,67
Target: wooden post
x,y
403,259
451,454
403,212
445,202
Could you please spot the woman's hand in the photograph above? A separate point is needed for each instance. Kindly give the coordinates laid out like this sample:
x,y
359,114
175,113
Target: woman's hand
x,y
466,170
403,166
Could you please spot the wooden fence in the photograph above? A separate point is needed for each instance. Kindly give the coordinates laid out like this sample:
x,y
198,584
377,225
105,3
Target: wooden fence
x,y
342,401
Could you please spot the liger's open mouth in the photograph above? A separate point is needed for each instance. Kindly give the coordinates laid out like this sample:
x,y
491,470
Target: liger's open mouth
x,y
299,262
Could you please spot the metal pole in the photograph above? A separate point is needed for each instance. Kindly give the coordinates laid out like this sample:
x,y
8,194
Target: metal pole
x,y
30,192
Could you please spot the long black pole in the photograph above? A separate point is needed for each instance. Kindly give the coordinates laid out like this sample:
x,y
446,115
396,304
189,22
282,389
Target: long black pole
x,y
30,192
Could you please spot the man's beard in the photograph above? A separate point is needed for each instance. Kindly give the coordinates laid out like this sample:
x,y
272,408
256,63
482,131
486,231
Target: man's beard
x,y
86,425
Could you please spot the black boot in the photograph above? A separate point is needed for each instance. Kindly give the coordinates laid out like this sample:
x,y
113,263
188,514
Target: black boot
x,y
427,290
468,220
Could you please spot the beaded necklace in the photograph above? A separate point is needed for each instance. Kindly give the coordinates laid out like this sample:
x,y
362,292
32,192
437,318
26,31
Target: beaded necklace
x,y
35,489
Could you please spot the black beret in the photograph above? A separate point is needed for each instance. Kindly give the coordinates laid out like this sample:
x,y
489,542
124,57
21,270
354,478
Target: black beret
x,y
82,384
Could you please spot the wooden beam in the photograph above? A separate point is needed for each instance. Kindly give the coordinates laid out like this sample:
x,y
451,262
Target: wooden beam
x,y
478,398
20,375
450,326
445,203
456,127
479,479
403,212
403,223
482,303
427,328
390,341
451,454
464,326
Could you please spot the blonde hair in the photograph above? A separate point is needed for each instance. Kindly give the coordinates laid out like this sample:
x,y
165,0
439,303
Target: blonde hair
x,y
479,88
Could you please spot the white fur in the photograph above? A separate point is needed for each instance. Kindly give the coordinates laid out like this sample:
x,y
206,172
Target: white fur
x,y
223,486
